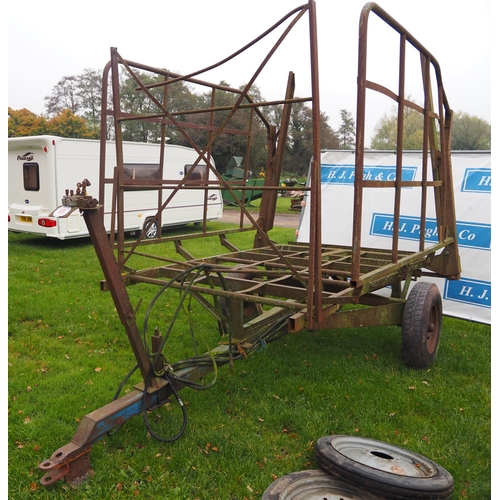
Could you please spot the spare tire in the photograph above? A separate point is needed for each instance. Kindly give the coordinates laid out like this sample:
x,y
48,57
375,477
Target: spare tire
x,y
314,485
383,469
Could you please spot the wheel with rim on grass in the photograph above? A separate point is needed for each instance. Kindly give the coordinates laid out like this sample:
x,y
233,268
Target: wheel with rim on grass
x,y
151,229
383,469
314,485
421,326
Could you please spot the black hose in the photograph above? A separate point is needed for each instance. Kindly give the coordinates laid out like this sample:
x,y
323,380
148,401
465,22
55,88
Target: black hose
x,y
274,332
184,414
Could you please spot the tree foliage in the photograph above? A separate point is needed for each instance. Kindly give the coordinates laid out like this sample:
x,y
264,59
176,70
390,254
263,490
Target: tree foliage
x,y
385,136
74,110
347,131
468,132
300,139
89,90
24,123
64,96
67,124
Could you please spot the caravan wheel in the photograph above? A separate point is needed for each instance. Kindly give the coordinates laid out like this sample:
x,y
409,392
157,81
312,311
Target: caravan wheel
x,y
152,230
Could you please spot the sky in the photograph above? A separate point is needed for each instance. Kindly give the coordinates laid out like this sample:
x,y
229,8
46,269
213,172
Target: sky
x,y
47,41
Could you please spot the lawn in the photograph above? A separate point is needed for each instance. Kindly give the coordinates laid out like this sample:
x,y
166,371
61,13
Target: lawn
x,y
68,354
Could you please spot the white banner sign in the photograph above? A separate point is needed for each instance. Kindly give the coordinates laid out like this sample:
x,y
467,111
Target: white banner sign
x,y
469,297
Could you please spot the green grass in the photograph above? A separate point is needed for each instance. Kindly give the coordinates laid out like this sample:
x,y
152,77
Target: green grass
x,y
68,353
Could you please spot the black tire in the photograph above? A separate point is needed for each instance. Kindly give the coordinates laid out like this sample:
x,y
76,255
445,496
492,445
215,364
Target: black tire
x,y
383,469
152,231
421,326
314,485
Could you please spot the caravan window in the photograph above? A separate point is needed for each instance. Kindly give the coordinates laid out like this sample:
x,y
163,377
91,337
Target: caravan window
x,y
141,171
198,174
31,177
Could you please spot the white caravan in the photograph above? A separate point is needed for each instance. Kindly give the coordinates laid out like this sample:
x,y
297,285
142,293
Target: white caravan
x,y
42,168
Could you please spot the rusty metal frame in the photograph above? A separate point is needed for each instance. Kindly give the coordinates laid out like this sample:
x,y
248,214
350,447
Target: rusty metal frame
x,y
308,280
436,142
301,286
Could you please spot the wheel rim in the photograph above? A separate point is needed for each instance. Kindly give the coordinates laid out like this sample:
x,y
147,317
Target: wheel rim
x,y
433,329
322,487
383,456
152,230
315,485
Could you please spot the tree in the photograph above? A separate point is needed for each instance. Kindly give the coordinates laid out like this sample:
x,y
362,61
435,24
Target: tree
x,y
23,122
385,133
226,145
346,131
89,91
64,96
470,133
299,147
75,106
329,138
138,103
385,136
300,140
66,124
258,156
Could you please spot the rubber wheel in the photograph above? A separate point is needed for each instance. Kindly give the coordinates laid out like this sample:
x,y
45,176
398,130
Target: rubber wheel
x,y
383,469
421,326
314,485
152,231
